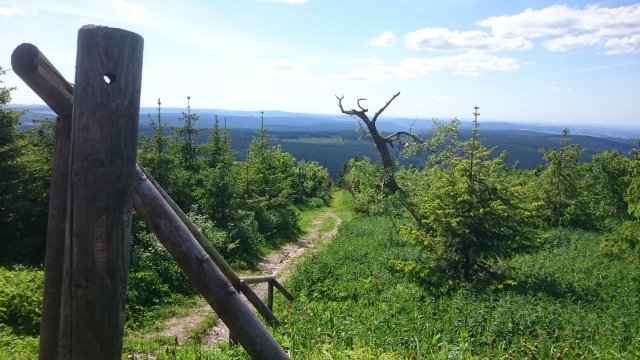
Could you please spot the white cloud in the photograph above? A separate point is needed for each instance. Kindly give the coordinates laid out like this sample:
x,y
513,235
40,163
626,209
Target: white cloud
x,y
470,64
446,40
593,25
283,68
132,8
387,39
11,11
555,89
288,1
570,42
623,45
561,20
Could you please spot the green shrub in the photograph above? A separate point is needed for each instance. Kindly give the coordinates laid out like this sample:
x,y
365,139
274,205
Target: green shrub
x,y
21,299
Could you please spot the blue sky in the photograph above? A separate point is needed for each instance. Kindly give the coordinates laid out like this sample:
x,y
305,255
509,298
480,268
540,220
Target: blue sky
x,y
546,61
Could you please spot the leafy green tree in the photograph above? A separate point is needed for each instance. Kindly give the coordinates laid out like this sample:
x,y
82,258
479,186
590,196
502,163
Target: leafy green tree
x,y
366,181
314,180
470,218
155,151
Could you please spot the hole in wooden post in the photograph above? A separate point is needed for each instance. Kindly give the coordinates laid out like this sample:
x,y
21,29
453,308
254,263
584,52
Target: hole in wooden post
x,y
109,78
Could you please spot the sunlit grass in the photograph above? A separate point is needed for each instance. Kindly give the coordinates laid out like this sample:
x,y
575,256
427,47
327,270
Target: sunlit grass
x,y
568,301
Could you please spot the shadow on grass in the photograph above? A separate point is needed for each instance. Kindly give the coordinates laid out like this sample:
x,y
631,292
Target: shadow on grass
x,y
551,287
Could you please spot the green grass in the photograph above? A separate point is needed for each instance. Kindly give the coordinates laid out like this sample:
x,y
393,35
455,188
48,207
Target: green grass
x,y
327,224
20,308
569,301
342,203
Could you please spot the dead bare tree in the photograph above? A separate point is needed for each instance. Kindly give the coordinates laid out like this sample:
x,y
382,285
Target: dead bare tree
x,y
401,138
439,136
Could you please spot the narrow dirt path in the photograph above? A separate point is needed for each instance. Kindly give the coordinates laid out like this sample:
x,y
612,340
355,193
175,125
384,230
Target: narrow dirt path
x,y
278,263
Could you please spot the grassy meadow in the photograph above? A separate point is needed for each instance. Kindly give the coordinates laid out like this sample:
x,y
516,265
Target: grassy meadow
x,y
566,300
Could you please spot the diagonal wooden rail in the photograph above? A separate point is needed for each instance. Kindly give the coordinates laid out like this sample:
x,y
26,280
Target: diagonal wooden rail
x,y
198,259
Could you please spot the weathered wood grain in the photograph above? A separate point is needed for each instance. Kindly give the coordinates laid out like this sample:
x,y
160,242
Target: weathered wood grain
x,y
103,149
38,73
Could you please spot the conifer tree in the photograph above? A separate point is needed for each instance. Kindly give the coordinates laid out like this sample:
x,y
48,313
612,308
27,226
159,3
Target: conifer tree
x,y
561,184
187,134
9,166
220,194
470,218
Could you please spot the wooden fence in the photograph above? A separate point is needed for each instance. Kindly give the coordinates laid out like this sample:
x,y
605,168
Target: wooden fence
x,y
95,183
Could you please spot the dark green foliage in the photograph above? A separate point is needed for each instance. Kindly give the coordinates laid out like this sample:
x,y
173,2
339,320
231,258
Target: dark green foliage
x,y
470,217
606,182
25,165
270,185
561,180
625,240
313,181
9,168
219,194
366,183
187,138
30,200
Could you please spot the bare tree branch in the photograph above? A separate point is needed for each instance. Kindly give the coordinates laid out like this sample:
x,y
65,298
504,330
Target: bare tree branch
x,y
361,108
359,113
375,117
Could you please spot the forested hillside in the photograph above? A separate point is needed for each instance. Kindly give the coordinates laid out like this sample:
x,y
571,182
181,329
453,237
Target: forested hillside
x,y
333,148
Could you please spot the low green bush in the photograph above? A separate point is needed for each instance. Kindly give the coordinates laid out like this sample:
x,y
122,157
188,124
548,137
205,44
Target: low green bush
x,y
21,299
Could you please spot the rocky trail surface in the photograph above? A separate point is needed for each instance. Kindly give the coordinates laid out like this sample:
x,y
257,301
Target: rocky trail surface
x,y
278,263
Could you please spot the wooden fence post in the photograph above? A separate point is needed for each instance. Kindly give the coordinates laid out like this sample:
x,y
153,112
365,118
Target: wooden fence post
x,y
191,257
34,68
103,156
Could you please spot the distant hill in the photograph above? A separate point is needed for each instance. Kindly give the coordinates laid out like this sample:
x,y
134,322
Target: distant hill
x,y
332,140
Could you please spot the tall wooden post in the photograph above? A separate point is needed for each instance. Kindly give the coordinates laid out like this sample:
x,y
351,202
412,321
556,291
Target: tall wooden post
x,y
34,68
103,149
45,80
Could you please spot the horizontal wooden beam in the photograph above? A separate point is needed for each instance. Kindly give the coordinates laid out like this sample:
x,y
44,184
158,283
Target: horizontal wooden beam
x,y
257,279
42,77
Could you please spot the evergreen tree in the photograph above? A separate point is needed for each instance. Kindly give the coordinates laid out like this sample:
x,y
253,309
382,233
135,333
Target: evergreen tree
x,y
626,239
220,193
562,180
189,148
161,156
270,184
9,168
606,183
470,218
